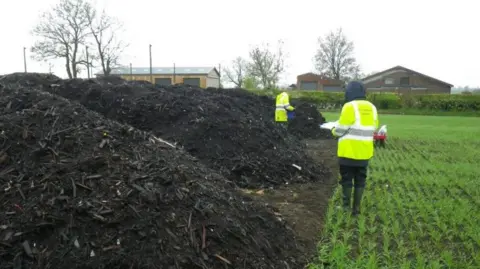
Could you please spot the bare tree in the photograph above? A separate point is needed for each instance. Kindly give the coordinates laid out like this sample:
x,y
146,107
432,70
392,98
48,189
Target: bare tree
x,y
87,62
357,75
267,65
104,30
62,32
334,57
237,72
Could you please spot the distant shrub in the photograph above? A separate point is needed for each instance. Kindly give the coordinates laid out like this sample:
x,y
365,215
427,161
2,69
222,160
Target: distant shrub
x,y
432,102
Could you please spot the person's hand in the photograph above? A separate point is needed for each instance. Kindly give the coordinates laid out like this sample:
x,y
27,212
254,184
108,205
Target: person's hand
x,y
333,133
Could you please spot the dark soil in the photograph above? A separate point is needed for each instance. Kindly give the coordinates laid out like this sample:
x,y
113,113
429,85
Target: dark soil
x,y
80,191
303,206
29,79
229,130
307,121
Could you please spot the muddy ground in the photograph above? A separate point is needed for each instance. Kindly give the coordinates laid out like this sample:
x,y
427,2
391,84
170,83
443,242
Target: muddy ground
x,y
304,206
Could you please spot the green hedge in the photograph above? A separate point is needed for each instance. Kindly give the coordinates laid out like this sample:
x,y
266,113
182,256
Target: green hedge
x,y
431,102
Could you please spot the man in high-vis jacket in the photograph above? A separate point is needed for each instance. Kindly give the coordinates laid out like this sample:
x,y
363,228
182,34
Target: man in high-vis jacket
x,y
282,105
354,130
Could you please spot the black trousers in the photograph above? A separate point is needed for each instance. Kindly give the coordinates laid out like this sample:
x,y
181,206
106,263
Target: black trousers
x,y
353,176
283,125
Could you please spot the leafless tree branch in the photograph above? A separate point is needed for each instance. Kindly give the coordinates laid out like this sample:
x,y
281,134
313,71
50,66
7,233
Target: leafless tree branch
x,y
61,33
266,65
334,57
237,72
104,30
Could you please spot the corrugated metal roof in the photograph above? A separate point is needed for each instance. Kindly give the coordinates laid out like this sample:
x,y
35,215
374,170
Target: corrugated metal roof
x,y
162,70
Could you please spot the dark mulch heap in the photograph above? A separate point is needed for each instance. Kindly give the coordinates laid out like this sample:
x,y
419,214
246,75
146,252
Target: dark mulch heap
x,y
29,79
80,191
232,131
307,121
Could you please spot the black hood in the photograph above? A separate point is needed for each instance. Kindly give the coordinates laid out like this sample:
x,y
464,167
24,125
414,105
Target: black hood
x,y
355,90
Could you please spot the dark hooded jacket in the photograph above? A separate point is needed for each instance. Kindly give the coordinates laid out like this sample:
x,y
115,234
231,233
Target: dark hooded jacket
x,y
355,91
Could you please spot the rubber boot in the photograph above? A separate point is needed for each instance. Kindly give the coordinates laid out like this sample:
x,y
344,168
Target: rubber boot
x,y
357,199
347,194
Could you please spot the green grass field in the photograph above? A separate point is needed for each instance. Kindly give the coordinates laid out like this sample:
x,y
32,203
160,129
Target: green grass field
x,y
421,208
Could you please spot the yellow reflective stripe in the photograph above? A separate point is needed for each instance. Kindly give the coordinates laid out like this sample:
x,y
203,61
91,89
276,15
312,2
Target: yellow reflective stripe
x,y
375,115
359,127
344,128
341,130
364,128
364,133
356,131
356,137
282,101
357,113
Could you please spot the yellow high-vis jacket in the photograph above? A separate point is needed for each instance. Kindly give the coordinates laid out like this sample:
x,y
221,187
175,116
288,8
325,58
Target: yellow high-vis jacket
x,y
281,107
358,121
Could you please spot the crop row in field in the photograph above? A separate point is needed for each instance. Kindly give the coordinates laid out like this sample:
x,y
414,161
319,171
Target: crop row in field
x,y
421,208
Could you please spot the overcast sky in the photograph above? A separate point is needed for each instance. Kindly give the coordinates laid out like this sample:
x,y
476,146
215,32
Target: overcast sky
x,y
439,38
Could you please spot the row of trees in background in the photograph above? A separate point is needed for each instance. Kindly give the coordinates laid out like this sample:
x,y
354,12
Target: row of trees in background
x,y
396,103
263,68
70,28
333,59
466,90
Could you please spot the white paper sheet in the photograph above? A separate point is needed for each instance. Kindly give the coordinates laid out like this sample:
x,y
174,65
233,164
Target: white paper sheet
x,y
382,130
329,125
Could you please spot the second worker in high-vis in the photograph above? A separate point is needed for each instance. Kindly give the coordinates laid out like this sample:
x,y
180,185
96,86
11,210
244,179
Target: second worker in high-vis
x,y
354,130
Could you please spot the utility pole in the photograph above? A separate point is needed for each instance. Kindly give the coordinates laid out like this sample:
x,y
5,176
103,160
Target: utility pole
x,y
131,73
219,76
25,59
151,73
88,63
174,75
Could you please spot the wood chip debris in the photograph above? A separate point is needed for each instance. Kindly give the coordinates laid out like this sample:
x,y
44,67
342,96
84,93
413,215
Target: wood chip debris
x,y
296,166
223,259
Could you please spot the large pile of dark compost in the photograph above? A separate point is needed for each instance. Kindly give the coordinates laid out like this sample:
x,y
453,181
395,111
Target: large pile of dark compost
x,y
307,121
29,79
81,191
230,130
